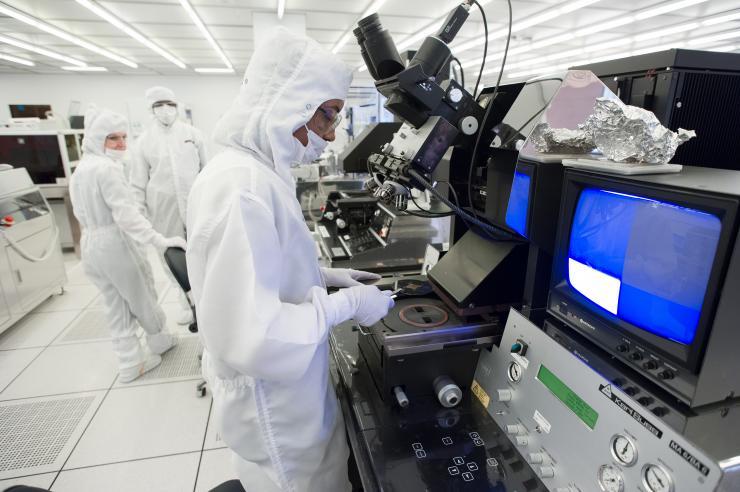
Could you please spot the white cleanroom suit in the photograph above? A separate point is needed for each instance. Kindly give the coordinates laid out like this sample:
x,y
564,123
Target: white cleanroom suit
x,y
263,311
110,223
164,163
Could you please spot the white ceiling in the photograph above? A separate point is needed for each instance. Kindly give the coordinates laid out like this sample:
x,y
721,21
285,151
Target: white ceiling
x,y
167,24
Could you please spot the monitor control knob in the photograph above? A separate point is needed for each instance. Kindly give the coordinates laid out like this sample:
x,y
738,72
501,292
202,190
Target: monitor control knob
x,y
650,365
522,440
666,374
636,356
622,348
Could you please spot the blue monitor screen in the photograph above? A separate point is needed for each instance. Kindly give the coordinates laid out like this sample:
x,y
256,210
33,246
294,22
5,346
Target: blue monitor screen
x,y
645,261
518,207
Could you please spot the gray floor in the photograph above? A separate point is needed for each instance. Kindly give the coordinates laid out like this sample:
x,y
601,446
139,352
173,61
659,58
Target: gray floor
x,y
68,425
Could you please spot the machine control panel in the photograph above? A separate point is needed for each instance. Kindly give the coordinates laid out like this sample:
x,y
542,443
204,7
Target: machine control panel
x,y
578,430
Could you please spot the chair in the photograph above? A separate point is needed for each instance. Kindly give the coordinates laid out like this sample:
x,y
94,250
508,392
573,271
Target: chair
x,y
175,259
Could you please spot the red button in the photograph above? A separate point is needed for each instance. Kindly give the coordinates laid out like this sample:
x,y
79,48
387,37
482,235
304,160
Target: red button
x,y
8,220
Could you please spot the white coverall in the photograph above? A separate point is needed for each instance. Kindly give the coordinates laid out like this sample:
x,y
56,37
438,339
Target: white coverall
x,y
110,222
263,311
164,164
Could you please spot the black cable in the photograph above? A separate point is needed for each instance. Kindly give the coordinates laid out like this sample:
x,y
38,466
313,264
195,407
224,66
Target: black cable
x,y
493,232
462,70
426,213
485,46
490,102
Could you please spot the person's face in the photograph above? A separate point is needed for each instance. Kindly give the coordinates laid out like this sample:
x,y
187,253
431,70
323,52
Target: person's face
x,y
323,122
116,141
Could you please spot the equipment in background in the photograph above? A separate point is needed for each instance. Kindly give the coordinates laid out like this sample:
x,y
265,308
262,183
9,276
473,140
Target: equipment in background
x,y
696,90
50,157
77,122
29,110
581,432
648,268
353,158
357,231
31,262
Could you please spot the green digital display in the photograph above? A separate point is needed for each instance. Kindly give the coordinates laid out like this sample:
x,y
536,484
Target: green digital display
x,y
583,410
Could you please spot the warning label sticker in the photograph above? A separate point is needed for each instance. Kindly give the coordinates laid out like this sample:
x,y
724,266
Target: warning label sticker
x,y
480,393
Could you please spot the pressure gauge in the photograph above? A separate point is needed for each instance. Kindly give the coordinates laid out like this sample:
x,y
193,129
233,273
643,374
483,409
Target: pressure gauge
x,y
610,479
656,479
624,450
515,372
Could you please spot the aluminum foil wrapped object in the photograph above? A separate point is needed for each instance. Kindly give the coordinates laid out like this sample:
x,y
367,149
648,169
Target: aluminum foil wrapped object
x,y
561,140
631,134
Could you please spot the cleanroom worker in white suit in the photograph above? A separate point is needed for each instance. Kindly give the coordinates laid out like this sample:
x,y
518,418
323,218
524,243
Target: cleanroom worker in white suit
x,y
263,310
111,226
166,159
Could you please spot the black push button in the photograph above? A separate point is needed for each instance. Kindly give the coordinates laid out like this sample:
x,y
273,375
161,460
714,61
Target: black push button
x,y
645,400
650,365
636,356
632,391
660,411
666,374
622,348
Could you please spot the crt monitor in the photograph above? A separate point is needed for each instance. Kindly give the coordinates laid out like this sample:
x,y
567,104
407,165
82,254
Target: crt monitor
x,y
640,265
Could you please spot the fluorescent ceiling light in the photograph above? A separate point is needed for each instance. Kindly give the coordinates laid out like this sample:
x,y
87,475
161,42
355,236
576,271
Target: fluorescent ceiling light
x,y
669,6
598,27
374,7
85,69
280,9
665,32
104,14
204,30
214,70
722,18
15,59
536,19
55,31
714,38
41,51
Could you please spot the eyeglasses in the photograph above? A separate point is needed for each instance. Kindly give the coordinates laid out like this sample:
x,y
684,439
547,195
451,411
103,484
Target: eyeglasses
x,y
330,121
164,103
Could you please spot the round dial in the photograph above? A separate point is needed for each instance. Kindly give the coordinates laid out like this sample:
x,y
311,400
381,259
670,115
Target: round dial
x,y
515,372
610,479
656,479
624,450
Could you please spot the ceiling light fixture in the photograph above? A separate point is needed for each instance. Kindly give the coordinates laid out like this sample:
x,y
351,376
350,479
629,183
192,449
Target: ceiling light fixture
x,y
536,19
599,27
106,15
214,70
374,7
206,33
722,18
280,9
85,69
55,31
41,51
15,59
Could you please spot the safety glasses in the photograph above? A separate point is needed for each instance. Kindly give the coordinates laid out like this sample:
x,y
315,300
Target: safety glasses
x,y
330,120
164,103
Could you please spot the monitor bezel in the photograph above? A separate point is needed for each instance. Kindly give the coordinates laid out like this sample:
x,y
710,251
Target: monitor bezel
x,y
726,209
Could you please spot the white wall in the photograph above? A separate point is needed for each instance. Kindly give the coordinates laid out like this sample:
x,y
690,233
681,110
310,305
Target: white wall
x,y
207,96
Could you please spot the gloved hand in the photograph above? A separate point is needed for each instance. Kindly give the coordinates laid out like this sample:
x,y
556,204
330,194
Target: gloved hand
x,y
346,277
368,304
162,242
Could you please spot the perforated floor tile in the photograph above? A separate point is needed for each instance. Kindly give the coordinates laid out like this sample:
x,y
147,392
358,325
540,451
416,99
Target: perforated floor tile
x,y
37,435
90,325
178,364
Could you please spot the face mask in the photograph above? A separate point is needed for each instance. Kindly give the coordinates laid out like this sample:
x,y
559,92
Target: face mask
x,y
315,148
298,152
165,114
116,155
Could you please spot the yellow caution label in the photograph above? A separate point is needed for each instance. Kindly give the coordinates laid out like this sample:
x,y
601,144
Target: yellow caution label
x,y
480,393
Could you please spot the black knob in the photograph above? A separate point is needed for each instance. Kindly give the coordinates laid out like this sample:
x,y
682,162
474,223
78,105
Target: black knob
x,y
618,382
632,391
660,411
636,356
622,348
650,365
645,400
666,374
